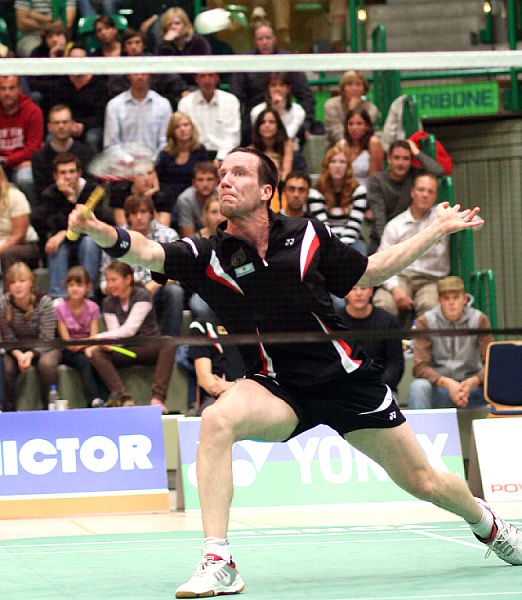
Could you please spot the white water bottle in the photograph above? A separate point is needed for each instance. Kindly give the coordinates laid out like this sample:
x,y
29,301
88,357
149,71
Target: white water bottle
x,y
53,397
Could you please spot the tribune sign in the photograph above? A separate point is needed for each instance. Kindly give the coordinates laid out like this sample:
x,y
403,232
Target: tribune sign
x,y
319,466
82,461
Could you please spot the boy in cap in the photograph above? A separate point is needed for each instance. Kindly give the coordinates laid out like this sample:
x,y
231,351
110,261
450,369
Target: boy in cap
x,y
449,370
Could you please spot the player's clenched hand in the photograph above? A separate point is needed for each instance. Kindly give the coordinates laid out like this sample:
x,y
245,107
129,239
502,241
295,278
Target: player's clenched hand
x,y
82,220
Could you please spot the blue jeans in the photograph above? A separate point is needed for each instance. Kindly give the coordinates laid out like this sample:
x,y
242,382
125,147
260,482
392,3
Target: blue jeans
x,y
423,394
168,304
89,255
109,7
94,387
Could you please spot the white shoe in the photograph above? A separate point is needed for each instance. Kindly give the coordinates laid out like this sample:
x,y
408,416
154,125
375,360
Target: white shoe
x,y
505,540
212,577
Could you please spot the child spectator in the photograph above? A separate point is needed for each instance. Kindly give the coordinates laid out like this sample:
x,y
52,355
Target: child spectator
x,y
77,318
127,311
106,33
27,314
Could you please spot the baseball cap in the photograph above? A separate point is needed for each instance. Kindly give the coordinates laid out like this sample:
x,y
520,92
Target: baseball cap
x,y
450,284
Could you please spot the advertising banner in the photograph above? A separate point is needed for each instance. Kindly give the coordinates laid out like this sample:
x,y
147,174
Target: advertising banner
x,y
318,466
456,100
82,461
499,448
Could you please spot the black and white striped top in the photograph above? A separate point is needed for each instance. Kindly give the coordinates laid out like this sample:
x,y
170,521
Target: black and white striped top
x,y
345,226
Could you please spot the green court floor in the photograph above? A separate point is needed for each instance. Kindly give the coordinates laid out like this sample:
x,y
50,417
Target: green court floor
x,y
407,562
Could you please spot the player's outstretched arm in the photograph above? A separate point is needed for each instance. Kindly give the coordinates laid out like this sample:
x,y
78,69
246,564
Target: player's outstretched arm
x,y
449,219
141,251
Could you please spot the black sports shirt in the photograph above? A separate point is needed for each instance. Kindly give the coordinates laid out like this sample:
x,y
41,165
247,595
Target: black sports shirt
x,y
288,290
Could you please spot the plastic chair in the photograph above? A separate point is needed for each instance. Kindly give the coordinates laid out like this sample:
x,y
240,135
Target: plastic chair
x,y
4,33
503,378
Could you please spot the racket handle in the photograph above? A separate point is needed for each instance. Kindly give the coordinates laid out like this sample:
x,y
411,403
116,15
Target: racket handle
x,y
92,201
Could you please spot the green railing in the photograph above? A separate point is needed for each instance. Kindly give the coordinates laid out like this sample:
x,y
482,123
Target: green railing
x,y
386,84
482,288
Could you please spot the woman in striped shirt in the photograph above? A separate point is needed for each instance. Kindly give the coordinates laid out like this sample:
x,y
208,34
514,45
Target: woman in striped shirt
x,y
26,314
338,200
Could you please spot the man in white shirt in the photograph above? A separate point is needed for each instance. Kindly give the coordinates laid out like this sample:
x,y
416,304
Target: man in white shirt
x,y
216,114
137,115
415,288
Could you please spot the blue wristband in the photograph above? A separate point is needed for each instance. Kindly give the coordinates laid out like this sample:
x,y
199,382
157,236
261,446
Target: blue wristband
x,y
122,245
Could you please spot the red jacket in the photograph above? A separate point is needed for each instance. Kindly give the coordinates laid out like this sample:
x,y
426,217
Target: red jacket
x,y
442,156
21,134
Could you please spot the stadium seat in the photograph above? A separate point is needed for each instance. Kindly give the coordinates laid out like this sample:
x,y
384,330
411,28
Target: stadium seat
x,y
4,33
503,378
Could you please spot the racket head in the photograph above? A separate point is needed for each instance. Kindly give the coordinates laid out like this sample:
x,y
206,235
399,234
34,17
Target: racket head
x,y
121,162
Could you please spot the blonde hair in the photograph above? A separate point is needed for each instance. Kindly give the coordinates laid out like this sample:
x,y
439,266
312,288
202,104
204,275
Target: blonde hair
x,y
349,76
172,147
4,190
17,271
325,184
176,12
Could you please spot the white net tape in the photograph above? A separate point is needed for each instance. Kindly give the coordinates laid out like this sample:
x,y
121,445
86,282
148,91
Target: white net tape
x,y
272,62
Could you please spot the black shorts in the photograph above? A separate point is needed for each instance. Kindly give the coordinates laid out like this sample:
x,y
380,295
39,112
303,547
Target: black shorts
x,y
360,400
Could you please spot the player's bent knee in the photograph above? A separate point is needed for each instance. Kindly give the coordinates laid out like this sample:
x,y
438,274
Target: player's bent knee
x,y
423,484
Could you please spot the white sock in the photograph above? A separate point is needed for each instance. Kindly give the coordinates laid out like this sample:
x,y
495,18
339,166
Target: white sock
x,y
218,546
485,526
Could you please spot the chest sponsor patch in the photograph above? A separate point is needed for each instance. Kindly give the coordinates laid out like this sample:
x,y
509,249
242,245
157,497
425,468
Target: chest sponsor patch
x,y
244,270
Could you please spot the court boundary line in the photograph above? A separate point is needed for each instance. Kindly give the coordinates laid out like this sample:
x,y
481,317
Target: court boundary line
x,y
455,540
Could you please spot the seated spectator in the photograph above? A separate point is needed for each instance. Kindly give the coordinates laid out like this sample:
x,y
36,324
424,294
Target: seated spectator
x,y
215,113
127,312
21,134
54,45
50,221
179,38
279,98
364,148
338,200
360,315
137,115
86,96
78,318
389,191
449,370
144,185
353,90
169,85
25,314
176,162
217,367
189,208
60,139
269,136
212,217
295,194
108,7
32,15
414,290
107,35
393,128
250,88
18,239
169,299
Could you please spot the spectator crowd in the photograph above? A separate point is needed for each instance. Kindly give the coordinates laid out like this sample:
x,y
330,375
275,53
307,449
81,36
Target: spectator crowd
x,y
370,193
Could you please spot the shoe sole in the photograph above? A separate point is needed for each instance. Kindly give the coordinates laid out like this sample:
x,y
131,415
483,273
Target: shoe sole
x,y
210,594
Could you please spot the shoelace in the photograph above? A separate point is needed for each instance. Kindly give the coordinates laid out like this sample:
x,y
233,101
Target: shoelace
x,y
200,569
502,542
